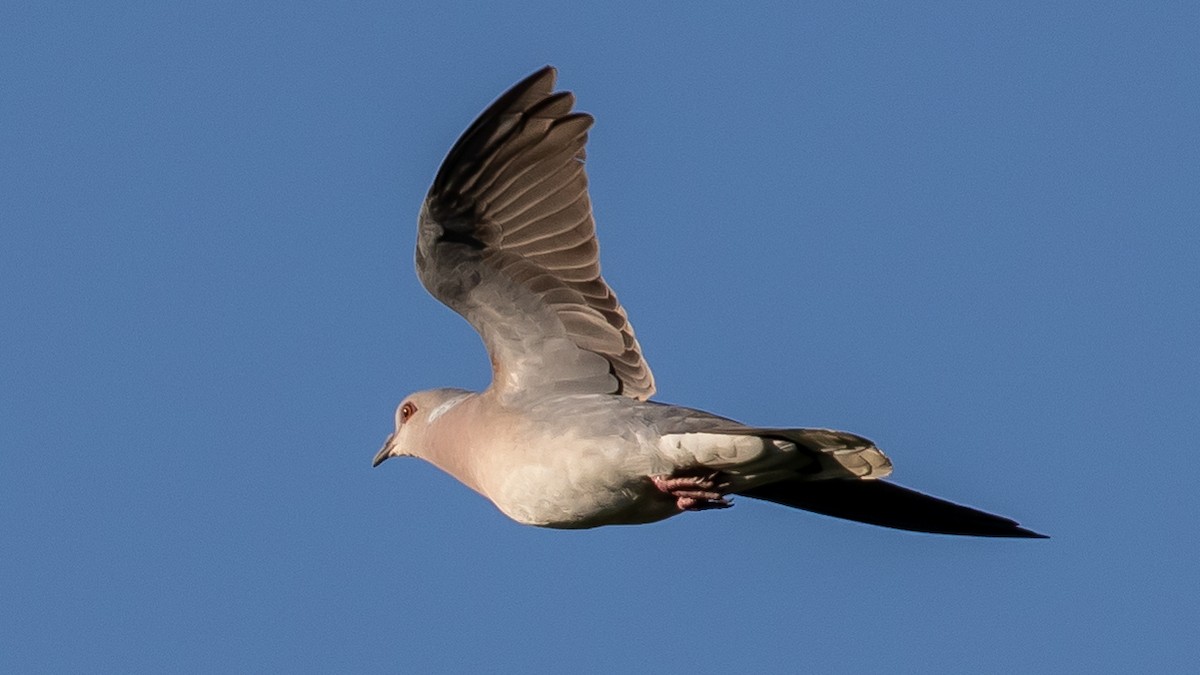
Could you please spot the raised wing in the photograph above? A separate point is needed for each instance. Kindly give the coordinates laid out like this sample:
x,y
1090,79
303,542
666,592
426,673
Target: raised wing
x,y
507,240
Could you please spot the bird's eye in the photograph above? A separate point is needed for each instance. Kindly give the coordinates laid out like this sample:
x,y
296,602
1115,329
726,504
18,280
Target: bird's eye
x,y
406,411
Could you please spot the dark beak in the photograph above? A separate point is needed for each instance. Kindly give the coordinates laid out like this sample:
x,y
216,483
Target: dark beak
x,y
384,452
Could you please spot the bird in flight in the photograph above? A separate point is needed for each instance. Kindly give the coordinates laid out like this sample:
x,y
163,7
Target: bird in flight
x,y
566,436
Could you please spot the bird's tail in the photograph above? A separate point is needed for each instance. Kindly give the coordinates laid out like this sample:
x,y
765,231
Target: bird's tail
x,y
828,453
881,503
753,456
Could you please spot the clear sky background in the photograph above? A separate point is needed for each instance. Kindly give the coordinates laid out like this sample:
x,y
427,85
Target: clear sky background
x,y
968,233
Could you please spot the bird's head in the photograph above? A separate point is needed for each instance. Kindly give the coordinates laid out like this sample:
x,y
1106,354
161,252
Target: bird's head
x,y
413,417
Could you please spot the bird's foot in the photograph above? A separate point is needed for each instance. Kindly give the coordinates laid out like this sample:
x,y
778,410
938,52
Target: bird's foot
x,y
695,491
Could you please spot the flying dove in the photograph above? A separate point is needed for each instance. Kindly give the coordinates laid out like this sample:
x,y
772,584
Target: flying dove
x,y
566,436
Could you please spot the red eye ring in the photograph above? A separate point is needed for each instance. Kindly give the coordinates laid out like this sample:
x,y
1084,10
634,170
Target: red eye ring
x,y
406,411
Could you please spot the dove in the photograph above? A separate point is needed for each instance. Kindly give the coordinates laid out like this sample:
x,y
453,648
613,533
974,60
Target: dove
x,y
566,435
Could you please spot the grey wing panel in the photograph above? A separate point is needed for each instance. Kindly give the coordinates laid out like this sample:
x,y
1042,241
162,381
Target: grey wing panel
x,y
507,240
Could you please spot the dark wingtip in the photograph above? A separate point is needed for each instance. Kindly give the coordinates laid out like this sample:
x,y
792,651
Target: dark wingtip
x,y
519,97
889,505
545,72
1013,531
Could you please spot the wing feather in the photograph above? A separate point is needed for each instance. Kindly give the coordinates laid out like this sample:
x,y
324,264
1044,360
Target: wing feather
x,y
507,240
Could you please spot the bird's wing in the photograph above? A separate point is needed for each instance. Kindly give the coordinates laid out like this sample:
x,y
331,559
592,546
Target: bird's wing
x,y
882,503
507,240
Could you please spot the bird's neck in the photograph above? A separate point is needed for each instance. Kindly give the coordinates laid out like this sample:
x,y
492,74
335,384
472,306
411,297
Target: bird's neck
x,y
451,438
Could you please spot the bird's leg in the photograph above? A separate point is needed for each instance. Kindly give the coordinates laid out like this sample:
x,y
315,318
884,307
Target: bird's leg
x,y
695,491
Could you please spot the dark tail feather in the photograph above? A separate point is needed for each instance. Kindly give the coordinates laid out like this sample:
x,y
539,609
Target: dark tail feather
x,y
887,504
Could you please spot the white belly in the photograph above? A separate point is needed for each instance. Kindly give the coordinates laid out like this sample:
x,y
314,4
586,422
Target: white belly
x,y
589,487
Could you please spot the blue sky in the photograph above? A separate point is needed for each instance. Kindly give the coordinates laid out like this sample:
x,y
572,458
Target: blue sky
x,y
968,233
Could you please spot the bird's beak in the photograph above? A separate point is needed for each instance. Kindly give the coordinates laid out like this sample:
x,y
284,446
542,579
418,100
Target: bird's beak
x,y
384,452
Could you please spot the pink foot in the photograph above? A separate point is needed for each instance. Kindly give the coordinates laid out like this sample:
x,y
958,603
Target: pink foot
x,y
696,492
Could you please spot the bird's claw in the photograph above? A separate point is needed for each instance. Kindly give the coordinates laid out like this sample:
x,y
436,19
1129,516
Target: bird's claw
x,y
695,492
